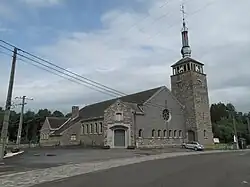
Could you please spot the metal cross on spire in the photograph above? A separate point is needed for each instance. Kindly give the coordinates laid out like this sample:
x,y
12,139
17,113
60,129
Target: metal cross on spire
x,y
183,16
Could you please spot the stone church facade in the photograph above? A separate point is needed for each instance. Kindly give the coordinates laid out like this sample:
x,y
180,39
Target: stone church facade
x,y
156,117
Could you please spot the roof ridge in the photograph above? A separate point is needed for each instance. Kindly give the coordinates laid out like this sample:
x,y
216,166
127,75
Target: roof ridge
x,y
124,96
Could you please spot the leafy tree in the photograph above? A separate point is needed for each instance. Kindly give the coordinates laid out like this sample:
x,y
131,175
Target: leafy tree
x,y
57,114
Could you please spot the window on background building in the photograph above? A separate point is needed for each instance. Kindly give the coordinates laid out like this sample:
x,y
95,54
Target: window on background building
x,y
153,133
91,128
140,133
73,137
170,133
159,133
165,133
175,133
180,133
96,128
118,116
205,133
101,127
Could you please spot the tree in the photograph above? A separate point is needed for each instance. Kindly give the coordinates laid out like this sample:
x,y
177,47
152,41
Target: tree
x,y
222,122
57,114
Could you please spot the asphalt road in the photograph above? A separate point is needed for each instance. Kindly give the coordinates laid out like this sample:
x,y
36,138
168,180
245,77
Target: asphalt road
x,y
42,158
214,170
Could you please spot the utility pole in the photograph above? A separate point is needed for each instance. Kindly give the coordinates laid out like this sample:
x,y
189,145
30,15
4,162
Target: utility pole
x,y
4,132
248,125
19,133
235,131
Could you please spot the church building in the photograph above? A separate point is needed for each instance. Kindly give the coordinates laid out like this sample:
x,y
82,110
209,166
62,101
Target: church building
x,y
156,117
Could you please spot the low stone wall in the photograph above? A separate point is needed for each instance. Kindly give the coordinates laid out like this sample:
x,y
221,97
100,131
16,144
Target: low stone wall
x,y
158,142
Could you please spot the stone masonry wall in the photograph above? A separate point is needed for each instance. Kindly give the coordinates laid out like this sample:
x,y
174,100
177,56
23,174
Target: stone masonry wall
x,y
109,118
190,88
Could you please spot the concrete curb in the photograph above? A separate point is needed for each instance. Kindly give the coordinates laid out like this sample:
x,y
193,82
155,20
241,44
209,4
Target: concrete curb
x,y
9,155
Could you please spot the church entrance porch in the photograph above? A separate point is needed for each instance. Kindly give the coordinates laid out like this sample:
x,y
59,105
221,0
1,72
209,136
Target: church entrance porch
x,y
118,135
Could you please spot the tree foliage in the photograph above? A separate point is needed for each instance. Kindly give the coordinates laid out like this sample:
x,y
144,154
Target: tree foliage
x,y
222,122
32,123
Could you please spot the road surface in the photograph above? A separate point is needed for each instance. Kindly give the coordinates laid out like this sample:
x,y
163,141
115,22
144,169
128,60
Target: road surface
x,y
38,158
214,170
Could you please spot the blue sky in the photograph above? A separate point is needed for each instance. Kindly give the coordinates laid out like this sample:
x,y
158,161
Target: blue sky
x,y
132,41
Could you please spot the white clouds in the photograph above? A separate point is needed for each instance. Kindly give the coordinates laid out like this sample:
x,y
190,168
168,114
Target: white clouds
x,y
130,55
42,3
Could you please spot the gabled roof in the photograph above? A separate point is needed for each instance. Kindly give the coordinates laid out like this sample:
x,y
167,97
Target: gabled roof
x,y
185,60
97,109
56,122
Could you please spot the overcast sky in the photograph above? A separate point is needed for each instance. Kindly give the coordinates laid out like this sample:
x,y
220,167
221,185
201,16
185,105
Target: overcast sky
x,y
127,45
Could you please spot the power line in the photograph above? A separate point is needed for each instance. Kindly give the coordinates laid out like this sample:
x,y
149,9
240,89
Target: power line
x,y
48,70
52,64
57,74
34,63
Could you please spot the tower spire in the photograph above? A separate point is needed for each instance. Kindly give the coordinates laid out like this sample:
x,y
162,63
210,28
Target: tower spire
x,y
185,50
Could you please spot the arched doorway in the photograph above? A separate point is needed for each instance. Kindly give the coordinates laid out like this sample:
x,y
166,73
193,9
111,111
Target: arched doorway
x,y
191,135
119,138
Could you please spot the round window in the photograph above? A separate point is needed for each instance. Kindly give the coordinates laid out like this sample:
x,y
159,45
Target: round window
x,y
166,114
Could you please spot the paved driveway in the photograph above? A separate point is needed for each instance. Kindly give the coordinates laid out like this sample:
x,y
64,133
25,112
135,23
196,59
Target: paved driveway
x,y
52,157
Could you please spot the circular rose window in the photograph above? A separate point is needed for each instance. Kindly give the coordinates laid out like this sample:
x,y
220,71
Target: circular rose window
x,y
166,114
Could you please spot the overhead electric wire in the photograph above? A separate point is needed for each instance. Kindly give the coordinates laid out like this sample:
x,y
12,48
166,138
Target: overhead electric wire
x,y
34,63
75,74
49,70
42,64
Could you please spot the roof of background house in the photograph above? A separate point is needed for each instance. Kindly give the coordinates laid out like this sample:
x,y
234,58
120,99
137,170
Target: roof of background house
x,y
186,59
97,110
56,122
66,126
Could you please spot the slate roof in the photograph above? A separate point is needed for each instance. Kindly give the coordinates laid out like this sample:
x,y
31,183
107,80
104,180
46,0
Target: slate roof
x,y
56,122
186,59
97,110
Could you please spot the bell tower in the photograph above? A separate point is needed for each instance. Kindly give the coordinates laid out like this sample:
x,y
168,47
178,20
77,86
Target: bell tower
x,y
189,85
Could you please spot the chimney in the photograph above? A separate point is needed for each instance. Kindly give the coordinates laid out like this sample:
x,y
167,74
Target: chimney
x,y
75,111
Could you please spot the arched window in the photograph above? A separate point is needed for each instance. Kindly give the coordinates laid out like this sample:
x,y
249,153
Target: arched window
x,y
170,133
180,134
101,128
175,131
153,133
87,128
159,133
91,128
165,133
96,128
140,133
